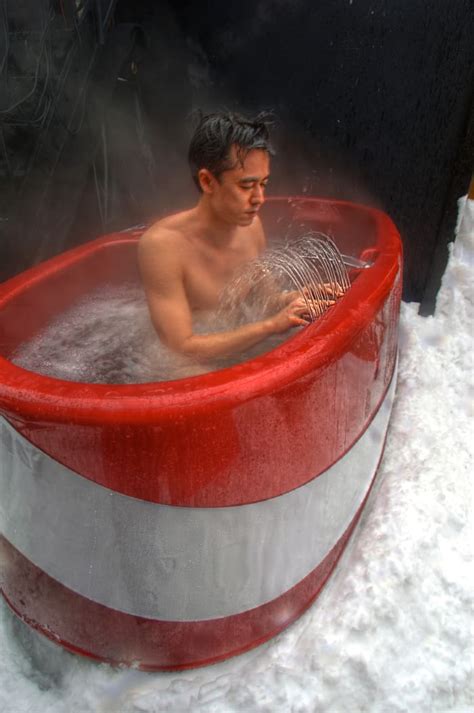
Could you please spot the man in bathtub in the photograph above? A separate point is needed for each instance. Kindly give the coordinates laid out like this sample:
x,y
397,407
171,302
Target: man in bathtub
x,y
188,258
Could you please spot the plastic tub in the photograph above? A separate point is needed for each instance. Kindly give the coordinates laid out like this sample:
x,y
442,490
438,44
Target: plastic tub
x,y
173,524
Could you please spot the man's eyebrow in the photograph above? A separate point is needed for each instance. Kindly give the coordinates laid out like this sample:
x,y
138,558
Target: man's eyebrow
x,y
253,179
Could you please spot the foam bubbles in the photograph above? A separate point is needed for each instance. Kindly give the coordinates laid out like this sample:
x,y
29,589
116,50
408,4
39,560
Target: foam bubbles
x,y
108,338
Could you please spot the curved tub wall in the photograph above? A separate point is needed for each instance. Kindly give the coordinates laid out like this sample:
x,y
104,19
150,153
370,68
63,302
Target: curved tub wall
x,y
193,519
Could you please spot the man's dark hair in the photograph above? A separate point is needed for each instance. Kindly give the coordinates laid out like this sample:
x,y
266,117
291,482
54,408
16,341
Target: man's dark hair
x,y
215,135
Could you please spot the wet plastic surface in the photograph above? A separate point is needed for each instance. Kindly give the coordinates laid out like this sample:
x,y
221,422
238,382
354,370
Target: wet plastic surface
x,y
242,435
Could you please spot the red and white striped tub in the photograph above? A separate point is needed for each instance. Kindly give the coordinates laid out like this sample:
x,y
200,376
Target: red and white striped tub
x,y
173,524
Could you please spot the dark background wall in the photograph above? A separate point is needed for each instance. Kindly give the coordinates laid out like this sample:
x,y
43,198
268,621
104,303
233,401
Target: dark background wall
x,y
372,99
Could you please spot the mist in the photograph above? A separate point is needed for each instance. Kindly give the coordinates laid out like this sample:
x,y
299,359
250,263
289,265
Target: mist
x,y
371,104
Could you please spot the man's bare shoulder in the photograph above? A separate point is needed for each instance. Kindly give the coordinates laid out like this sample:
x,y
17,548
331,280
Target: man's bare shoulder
x,y
162,250
166,232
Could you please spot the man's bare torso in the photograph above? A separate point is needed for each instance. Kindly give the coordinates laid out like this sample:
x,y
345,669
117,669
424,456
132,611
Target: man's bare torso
x,y
207,268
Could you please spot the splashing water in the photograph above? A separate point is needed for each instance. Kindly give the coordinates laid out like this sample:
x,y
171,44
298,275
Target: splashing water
x,y
311,266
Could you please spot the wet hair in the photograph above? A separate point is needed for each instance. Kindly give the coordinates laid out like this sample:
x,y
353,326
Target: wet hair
x,y
215,135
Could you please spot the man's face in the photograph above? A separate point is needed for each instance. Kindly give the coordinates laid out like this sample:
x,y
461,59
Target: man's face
x,y
239,193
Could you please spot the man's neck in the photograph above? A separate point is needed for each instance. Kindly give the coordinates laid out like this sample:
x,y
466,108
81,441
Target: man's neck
x,y
215,231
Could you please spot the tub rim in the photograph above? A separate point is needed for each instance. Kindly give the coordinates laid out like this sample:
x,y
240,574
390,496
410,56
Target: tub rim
x,y
36,396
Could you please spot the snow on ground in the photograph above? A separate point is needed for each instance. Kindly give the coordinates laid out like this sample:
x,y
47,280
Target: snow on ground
x,y
393,629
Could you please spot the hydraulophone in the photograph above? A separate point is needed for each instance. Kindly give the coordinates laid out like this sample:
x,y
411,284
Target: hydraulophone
x,y
172,524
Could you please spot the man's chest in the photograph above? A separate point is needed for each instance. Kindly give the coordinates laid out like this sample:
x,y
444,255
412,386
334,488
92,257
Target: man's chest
x,y
208,272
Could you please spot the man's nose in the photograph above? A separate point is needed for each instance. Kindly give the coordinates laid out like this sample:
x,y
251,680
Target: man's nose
x,y
258,195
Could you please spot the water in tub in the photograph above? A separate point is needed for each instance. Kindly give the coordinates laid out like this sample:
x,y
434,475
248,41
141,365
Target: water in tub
x,y
108,337
392,630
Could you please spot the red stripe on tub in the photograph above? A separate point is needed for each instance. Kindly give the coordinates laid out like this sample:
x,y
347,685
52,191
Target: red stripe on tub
x,y
233,436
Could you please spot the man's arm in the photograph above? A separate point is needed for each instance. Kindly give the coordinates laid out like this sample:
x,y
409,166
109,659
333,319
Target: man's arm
x,y
162,274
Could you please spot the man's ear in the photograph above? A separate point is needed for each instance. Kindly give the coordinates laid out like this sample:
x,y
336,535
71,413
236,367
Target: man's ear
x,y
206,180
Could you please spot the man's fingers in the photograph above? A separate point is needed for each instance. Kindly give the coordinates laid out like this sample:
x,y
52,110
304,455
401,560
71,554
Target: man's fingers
x,y
302,311
333,289
305,304
303,321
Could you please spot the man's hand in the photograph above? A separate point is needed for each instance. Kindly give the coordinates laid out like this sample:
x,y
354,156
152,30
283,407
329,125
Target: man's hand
x,y
294,314
323,292
316,299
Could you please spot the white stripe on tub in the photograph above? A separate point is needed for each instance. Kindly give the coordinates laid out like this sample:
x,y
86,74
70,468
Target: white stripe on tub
x,y
177,563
